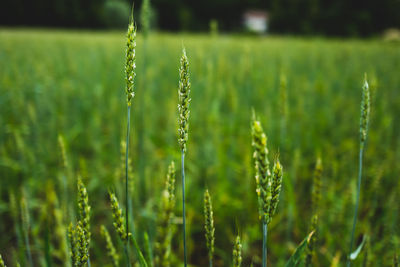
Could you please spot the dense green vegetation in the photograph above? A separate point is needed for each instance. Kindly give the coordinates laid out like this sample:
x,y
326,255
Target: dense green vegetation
x,y
71,84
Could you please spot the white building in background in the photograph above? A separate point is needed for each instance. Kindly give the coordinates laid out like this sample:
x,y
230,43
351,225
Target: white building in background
x,y
256,21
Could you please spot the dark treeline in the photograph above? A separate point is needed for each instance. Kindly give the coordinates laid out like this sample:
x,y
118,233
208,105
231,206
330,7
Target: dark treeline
x,y
338,17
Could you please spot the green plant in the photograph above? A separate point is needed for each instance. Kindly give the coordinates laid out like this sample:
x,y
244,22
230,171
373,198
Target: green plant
x,y
111,251
237,253
364,121
84,215
78,245
26,227
268,186
2,264
316,199
183,108
130,67
209,226
164,228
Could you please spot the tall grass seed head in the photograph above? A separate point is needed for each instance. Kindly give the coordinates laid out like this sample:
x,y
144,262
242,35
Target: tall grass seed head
x,y
276,186
162,245
130,65
83,245
209,223
118,218
262,171
84,209
73,244
237,253
365,110
111,251
184,101
316,190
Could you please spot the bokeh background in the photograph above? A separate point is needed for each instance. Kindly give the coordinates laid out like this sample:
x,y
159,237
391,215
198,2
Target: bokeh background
x,y
63,114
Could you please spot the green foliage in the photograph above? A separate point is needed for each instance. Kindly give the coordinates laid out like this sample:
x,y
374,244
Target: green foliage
x,y
164,227
295,259
2,264
70,83
209,225
111,251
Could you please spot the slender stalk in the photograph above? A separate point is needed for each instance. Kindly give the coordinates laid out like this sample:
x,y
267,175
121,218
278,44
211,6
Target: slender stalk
x,y
183,207
264,252
127,186
357,203
364,121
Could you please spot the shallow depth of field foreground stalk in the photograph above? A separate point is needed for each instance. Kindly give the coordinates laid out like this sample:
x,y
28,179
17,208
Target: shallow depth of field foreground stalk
x,y
183,108
364,121
268,185
130,82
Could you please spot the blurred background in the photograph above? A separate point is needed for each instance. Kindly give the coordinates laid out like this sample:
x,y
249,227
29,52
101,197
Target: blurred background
x,y
310,17
299,64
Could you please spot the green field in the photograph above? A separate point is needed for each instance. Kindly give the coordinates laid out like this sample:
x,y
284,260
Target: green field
x,y
71,84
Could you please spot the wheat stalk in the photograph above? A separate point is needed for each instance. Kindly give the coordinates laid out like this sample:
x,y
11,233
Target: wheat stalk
x,y
26,227
209,226
111,251
315,201
364,121
237,253
164,230
183,108
268,186
130,72
84,215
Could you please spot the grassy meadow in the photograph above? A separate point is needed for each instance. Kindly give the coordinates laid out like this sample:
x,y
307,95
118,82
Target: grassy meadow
x,y
63,115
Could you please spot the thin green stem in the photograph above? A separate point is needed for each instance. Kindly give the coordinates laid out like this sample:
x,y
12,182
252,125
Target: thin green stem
x,y
264,250
211,262
183,207
357,203
127,186
142,260
28,248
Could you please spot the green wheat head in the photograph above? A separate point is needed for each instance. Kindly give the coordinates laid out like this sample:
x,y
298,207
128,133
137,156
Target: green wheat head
x,y
237,253
111,251
2,264
164,227
73,245
184,101
262,172
78,245
209,224
365,110
118,218
268,185
84,210
276,186
130,65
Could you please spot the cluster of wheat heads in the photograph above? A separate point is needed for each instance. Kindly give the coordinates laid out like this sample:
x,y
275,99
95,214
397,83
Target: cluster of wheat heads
x,y
268,187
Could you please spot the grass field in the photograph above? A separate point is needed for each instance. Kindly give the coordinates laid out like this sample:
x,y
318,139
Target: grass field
x,y
71,84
